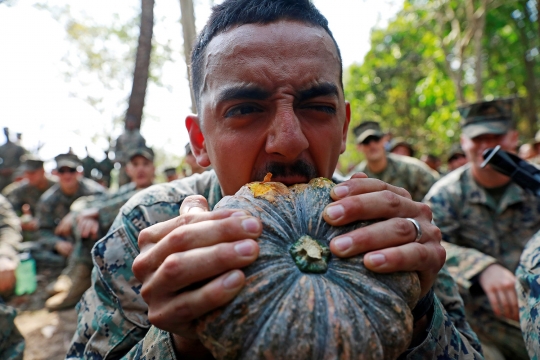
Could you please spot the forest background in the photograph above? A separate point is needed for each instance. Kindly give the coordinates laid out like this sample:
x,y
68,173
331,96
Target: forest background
x,y
429,58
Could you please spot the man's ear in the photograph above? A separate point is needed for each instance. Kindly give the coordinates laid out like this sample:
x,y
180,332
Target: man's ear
x,y
346,126
196,137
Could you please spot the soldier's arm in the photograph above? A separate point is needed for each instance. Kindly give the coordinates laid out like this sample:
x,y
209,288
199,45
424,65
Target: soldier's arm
x,y
45,218
10,231
465,264
528,291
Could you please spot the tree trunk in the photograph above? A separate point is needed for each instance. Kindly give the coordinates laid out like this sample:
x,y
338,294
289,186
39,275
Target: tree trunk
x,y
142,63
530,79
479,28
189,32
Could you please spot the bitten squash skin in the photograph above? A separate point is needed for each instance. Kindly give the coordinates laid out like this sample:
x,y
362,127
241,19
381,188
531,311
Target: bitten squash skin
x,y
300,301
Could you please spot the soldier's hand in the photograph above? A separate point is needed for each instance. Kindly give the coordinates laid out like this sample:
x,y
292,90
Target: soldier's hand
x,y
7,275
88,227
64,248
389,244
190,265
499,285
64,226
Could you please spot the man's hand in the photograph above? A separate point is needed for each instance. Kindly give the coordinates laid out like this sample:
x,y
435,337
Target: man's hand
x,y
64,248
499,285
7,275
189,265
64,226
389,244
88,224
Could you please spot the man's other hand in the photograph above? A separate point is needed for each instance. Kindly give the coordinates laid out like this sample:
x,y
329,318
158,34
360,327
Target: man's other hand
x,y
190,265
389,244
499,284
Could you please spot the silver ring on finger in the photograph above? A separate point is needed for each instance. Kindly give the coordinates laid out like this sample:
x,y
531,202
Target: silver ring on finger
x,y
417,227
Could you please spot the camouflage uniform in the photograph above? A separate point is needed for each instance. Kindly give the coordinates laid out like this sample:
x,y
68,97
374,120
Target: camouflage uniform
x,y
406,172
88,164
106,166
10,231
26,194
528,290
113,316
479,232
11,340
11,154
52,207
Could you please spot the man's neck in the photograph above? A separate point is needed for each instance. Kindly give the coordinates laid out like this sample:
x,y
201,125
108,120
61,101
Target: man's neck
x,y
68,191
378,166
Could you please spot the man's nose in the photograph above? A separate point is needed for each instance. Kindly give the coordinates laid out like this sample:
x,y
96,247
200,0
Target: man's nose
x,y
285,136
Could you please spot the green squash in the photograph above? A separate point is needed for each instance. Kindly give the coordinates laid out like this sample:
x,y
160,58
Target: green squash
x,y
300,301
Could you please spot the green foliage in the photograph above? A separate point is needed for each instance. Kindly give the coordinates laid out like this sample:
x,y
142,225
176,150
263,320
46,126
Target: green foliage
x,y
405,81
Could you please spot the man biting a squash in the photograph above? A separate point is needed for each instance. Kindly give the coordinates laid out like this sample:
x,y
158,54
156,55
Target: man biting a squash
x,y
267,81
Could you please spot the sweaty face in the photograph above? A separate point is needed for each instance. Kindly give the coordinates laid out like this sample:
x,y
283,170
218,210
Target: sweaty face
x,y
141,171
271,102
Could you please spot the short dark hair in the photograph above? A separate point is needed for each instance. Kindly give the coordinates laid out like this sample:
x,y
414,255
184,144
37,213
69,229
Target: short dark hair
x,y
240,12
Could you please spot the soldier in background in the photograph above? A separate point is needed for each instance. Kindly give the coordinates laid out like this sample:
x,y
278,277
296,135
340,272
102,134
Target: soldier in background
x,y
432,161
403,171
486,219
24,198
170,174
55,244
526,151
10,238
10,160
92,216
105,166
400,146
130,139
456,157
190,160
88,164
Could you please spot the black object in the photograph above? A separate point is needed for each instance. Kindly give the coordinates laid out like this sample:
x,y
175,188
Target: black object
x,y
522,173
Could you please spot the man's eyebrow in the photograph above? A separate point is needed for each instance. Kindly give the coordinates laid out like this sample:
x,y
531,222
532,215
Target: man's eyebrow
x,y
243,92
323,89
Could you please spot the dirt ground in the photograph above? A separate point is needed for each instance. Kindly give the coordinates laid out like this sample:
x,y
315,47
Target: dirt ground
x,y
47,334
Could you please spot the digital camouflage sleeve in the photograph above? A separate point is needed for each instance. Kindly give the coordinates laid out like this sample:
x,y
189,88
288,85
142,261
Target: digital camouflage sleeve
x,y
528,290
112,316
11,340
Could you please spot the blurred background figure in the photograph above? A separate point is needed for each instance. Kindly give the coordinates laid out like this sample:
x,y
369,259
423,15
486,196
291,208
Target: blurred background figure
x,y
193,167
105,166
10,238
432,161
129,140
88,164
10,160
526,151
456,157
170,174
401,147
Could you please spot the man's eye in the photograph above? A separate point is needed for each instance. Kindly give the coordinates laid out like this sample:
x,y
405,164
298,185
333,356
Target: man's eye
x,y
242,110
323,108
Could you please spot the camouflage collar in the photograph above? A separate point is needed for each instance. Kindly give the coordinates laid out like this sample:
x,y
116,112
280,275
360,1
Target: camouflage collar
x,y
476,194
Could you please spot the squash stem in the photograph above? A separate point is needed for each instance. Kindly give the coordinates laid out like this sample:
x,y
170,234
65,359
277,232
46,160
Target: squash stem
x,y
310,255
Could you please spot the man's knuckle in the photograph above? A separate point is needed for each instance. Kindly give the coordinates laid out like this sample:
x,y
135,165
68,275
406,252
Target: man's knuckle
x,y
403,227
391,198
171,267
425,211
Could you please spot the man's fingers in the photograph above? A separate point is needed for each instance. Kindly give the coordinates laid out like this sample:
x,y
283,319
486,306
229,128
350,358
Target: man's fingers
x,y
377,205
360,184
155,233
494,302
197,235
380,235
183,269
426,259
195,204
191,305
